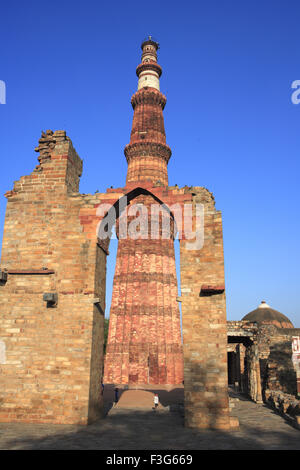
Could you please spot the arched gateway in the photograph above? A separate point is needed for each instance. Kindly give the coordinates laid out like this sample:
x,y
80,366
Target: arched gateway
x,y
52,281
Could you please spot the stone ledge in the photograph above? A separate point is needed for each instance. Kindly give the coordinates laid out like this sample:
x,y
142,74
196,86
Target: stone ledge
x,y
30,271
207,289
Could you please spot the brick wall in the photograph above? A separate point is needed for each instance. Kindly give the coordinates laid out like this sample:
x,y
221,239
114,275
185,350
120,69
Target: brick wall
x,y
52,369
53,355
204,324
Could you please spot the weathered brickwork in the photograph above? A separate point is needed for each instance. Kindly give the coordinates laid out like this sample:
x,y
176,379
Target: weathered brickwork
x,y
147,153
70,335
52,370
204,324
262,361
275,352
51,353
243,358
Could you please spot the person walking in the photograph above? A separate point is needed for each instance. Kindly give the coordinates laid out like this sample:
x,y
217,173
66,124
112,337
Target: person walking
x,y
156,401
116,395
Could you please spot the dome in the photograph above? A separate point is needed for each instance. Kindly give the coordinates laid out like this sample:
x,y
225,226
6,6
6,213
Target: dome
x,y
266,315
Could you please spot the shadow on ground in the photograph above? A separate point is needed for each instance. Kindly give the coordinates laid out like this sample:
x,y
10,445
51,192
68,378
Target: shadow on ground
x,y
139,430
130,429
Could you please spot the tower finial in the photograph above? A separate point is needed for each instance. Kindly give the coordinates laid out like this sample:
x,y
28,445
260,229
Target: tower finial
x,y
149,71
151,41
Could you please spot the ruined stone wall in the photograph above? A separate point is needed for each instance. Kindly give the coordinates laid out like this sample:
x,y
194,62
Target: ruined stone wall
x,y
243,335
271,348
51,370
285,404
204,323
275,352
242,329
51,356
203,310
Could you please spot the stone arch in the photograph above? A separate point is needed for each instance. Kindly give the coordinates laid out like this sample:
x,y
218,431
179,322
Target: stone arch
x,y
158,372
120,204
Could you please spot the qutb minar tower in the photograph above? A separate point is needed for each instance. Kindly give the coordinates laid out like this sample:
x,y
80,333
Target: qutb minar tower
x,y
144,341
53,282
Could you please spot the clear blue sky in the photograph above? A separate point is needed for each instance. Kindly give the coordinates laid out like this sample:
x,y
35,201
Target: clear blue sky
x,y
227,73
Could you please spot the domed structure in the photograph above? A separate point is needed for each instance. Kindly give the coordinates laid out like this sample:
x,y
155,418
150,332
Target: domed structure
x,y
265,315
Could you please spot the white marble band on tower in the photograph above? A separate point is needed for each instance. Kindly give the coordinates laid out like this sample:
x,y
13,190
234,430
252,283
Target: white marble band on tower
x,y
148,79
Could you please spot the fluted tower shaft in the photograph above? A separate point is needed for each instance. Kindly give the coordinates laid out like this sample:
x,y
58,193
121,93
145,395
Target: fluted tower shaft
x,y
144,341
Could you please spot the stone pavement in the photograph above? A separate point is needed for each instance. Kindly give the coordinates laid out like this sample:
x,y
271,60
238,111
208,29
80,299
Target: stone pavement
x,y
122,429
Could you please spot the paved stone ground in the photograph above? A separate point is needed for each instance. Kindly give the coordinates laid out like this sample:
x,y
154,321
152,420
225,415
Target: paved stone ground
x,y
122,429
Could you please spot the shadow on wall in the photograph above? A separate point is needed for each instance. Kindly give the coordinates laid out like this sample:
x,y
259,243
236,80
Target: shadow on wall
x,y
206,394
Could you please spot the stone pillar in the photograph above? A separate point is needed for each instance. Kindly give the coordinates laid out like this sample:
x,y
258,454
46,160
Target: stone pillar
x,y
242,353
255,390
204,322
238,367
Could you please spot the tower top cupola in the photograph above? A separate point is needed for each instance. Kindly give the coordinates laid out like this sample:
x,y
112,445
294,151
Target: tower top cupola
x,y
150,41
148,70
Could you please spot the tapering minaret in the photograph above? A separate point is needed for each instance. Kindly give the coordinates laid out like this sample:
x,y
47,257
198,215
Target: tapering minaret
x,y
147,153
144,341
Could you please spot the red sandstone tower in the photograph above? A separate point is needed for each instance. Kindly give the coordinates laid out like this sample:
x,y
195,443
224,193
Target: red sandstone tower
x,y
144,341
